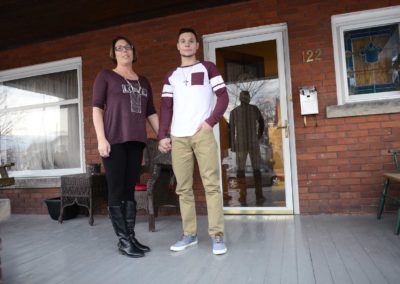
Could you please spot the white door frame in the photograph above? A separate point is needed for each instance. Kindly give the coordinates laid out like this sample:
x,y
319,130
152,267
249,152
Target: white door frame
x,y
279,33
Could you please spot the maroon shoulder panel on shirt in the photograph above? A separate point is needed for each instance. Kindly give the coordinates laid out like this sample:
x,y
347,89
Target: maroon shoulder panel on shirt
x,y
166,78
211,69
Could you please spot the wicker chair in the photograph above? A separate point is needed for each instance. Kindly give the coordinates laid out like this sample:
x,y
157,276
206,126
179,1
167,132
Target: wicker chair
x,y
82,189
161,184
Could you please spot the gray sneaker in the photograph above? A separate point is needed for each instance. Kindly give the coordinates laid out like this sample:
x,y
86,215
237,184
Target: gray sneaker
x,y
218,244
185,242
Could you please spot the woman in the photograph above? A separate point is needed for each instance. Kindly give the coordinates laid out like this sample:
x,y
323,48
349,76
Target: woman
x,y
122,101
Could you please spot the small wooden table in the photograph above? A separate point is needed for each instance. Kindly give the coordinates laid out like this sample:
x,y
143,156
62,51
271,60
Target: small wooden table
x,y
81,189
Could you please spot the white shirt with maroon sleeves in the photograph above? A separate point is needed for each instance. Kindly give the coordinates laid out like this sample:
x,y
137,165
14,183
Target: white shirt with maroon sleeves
x,y
188,99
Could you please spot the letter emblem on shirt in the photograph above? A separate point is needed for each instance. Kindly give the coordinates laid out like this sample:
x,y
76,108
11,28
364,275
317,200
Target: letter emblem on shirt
x,y
135,93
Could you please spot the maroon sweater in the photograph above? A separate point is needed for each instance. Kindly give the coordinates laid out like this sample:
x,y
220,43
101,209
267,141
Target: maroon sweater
x,y
126,106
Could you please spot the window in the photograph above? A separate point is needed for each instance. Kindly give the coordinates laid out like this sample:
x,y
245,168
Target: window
x,y
41,119
367,55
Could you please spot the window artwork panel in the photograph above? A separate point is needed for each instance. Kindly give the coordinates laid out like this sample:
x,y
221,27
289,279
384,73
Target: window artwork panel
x,y
373,59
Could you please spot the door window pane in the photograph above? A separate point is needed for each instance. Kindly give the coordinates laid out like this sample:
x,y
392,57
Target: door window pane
x,y
251,143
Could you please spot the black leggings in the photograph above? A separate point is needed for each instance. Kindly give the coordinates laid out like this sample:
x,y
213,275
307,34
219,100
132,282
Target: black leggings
x,y
122,169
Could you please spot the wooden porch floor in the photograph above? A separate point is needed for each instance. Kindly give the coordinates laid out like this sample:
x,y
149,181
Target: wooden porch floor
x,y
261,249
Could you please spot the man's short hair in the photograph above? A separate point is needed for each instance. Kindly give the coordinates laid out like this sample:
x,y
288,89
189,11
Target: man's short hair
x,y
187,30
245,97
112,48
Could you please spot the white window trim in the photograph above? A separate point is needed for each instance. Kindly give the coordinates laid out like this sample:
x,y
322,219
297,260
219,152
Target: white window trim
x,y
74,63
351,21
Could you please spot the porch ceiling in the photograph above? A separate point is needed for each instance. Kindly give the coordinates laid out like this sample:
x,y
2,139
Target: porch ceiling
x,y
28,21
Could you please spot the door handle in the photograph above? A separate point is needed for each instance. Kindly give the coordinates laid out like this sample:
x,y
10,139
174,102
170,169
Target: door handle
x,y
286,126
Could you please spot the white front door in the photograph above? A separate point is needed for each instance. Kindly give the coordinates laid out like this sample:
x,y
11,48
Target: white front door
x,y
256,134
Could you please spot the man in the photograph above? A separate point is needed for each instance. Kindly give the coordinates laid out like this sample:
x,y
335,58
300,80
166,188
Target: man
x,y
188,101
246,126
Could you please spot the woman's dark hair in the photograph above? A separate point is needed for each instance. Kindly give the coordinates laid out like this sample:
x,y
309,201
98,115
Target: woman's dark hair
x,y
187,30
112,49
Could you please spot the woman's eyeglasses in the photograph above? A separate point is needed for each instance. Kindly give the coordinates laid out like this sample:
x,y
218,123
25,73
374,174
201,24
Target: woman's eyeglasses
x,y
122,47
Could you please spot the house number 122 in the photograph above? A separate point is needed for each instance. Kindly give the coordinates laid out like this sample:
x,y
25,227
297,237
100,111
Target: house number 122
x,y
311,55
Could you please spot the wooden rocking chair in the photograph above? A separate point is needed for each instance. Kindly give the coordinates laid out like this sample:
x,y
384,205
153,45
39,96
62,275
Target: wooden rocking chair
x,y
393,177
5,180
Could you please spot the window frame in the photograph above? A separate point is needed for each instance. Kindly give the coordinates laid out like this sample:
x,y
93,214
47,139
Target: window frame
x,y
351,21
69,64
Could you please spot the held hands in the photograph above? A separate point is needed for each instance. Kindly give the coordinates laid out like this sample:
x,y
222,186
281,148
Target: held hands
x,y
104,148
164,145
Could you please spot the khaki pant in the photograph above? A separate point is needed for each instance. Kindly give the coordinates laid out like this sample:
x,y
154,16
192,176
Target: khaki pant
x,y
204,147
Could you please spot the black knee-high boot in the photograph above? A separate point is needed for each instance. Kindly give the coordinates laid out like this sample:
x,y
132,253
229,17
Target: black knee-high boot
x,y
125,245
130,215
